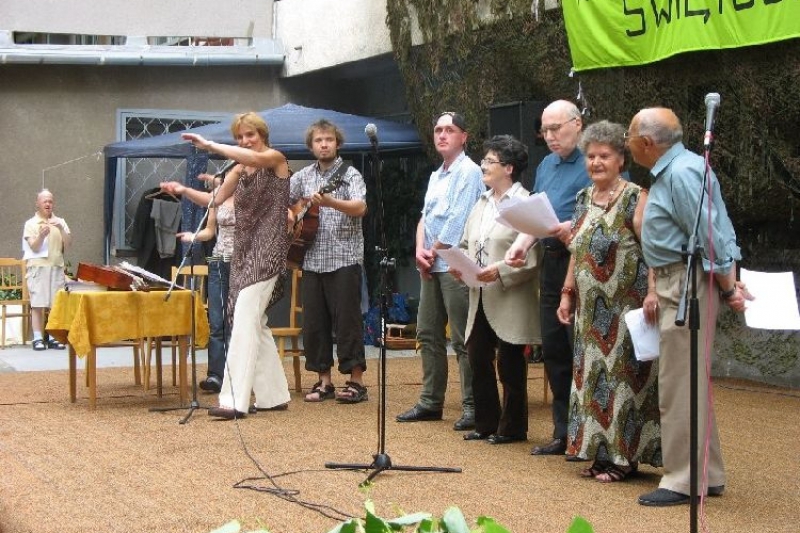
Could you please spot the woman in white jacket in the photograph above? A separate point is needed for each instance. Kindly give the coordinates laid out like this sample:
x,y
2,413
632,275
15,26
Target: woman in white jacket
x,y
504,315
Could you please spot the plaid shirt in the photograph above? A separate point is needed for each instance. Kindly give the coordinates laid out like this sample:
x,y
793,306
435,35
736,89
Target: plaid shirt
x,y
340,240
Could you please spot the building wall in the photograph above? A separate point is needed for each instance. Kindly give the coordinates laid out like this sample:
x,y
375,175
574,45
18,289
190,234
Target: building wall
x,y
213,18
318,34
57,119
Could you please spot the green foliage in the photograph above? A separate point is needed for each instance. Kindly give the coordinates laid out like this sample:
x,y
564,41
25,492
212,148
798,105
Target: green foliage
x,y
579,525
452,521
10,294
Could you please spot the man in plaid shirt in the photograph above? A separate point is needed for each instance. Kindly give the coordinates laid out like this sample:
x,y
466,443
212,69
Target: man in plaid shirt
x,y
332,268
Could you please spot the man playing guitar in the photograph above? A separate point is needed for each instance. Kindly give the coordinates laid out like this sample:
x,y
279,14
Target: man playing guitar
x,y
332,267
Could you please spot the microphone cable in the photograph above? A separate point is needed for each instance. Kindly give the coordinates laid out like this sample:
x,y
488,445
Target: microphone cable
x,y
273,488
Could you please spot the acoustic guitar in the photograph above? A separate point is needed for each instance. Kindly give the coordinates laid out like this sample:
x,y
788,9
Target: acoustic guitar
x,y
306,220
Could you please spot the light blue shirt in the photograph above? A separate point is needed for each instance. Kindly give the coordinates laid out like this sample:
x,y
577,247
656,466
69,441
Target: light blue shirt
x,y
669,216
448,201
562,179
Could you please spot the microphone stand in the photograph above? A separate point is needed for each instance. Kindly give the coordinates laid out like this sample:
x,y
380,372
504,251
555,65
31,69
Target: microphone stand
x,y
194,405
381,460
692,257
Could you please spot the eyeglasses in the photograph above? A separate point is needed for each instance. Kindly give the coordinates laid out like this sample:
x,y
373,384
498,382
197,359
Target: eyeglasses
x,y
555,128
491,162
628,135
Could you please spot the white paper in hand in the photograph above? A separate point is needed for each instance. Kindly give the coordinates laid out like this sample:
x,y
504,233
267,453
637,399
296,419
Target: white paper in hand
x,y
28,253
533,215
644,336
775,303
458,260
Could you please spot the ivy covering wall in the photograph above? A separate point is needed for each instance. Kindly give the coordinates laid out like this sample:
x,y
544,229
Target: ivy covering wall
x,y
476,53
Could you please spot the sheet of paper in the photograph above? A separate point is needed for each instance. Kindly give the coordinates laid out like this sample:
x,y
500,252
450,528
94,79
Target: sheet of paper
x,y
458,260
775,304
533,215
28,253
644,336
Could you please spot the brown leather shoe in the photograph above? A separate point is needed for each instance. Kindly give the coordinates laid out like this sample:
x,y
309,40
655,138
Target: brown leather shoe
x,y
555,447
225,413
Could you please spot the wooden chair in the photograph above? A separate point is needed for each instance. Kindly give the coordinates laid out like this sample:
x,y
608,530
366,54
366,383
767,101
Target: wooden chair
x,y
292,332
183,277
14,290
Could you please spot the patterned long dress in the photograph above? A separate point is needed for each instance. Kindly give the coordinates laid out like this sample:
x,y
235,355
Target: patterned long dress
x,y
613,408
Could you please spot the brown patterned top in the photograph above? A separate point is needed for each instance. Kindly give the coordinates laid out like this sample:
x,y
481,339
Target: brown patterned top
x,y
261,241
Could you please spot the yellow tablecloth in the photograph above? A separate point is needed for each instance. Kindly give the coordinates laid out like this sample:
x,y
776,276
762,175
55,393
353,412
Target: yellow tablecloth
x,y
87,319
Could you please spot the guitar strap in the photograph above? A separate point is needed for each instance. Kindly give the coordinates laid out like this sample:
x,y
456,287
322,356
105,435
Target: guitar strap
x,y
339,173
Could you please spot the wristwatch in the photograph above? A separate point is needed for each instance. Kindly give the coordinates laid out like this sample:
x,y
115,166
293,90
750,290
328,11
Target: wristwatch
x,y
726,295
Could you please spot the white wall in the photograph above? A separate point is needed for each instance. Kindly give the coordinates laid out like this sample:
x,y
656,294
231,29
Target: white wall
x,y
211,18
317,34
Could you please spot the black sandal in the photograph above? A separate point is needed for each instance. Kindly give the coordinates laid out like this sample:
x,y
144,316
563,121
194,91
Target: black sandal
x,y
352,393
323,393
617,473
39,345
55,345
595,470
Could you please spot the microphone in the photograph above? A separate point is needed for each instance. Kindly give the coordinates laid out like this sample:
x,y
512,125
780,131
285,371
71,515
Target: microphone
x,y
229,164
372,132
712,103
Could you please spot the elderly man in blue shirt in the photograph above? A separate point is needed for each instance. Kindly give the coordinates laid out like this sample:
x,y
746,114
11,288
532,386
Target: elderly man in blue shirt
x,y
452,191
654,139
560,175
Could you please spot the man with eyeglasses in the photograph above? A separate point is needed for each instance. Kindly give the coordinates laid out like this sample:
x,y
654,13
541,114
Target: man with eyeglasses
x,y
561,175
452,191
654,140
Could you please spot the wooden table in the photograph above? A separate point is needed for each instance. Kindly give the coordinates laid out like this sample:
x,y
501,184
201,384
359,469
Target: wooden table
x,y
86,320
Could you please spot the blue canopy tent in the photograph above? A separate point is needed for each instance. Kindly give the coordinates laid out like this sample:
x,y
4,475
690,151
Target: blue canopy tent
x,y
287,125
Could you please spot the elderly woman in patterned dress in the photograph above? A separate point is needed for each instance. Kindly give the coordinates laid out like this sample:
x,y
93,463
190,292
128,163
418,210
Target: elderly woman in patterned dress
x,y
613,411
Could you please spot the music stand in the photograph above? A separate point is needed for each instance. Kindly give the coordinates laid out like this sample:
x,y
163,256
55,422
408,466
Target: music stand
x,y
194,404
381,460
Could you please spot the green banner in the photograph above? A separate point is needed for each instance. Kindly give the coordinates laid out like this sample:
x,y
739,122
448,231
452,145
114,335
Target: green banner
x,y
614,33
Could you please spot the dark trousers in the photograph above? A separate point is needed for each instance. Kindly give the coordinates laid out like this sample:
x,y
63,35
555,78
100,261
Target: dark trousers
x,y
220,328
509,417
332,302
556,337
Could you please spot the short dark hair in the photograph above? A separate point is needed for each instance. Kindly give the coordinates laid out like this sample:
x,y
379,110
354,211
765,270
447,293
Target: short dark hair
x,y
510,151
324,124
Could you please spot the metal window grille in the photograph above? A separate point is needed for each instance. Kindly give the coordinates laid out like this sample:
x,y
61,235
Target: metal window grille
x,y
135,176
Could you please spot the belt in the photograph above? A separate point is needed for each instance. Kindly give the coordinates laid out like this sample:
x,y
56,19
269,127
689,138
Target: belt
x,y
215,258
666,270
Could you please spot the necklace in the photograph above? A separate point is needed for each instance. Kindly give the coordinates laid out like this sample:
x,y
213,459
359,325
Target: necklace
x,y
611,194
595,217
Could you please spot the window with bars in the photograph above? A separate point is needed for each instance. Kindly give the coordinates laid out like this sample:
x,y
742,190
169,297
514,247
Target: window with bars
x,y
135,176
